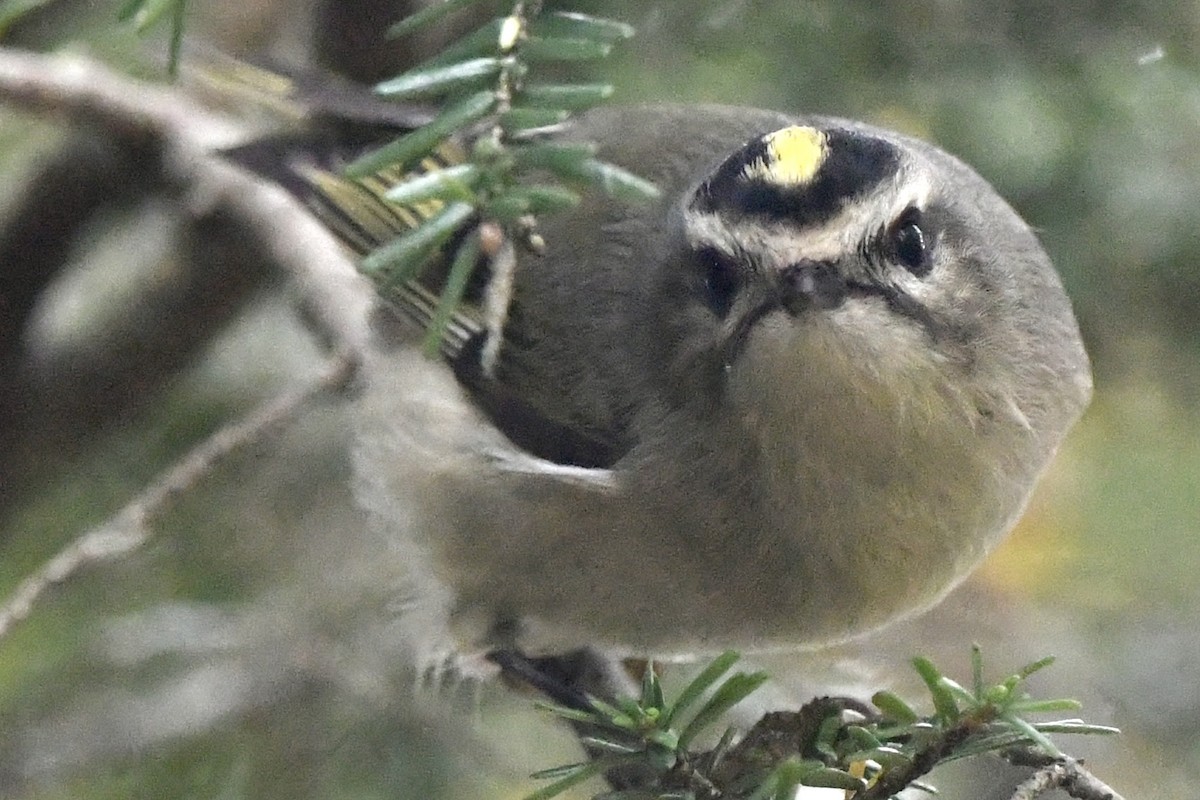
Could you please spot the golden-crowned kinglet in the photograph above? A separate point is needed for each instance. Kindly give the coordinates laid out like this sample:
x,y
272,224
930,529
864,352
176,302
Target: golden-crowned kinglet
x,y
801,396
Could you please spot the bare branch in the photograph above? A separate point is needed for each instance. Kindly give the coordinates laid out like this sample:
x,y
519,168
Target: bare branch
x,y
130,528
1064,773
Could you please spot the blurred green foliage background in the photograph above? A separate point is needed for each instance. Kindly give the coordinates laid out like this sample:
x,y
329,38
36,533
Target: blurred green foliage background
x,y
246,653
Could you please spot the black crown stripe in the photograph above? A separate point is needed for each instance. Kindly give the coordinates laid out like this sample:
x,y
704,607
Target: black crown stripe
x,y
854,164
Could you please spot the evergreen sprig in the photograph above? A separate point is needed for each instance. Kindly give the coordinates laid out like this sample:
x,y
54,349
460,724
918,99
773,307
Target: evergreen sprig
x,y
647,731
872,756
483,84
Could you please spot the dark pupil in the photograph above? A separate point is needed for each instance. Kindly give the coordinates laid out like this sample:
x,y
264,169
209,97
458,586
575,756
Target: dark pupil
x,y
720,279
910,248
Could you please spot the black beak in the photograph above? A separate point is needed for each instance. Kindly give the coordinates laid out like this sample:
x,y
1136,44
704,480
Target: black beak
x,y
811,284
801,286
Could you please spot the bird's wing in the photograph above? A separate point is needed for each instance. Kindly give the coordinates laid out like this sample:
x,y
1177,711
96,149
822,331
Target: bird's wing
x,y
530,409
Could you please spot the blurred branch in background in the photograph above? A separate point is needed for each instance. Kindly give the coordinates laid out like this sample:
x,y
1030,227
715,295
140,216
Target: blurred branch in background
x,y
132,526
236,233
229,661
86,177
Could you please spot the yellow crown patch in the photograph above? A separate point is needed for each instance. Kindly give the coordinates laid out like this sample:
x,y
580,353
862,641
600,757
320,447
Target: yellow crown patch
x,y
791,156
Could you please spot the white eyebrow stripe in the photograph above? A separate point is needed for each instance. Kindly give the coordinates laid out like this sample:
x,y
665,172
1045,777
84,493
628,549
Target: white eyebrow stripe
x,y
859,220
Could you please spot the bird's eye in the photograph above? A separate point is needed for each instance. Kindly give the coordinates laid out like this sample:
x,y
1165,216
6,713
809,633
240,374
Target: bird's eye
x,y
721,279
909,243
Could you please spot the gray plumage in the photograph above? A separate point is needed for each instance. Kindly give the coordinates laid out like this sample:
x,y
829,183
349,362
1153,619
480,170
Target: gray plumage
x,y
776,464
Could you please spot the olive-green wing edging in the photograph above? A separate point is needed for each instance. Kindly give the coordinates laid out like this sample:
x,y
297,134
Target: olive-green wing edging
x,y
359,214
